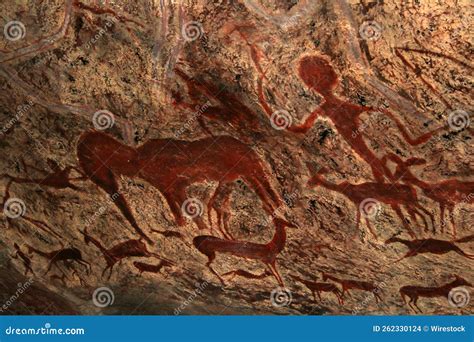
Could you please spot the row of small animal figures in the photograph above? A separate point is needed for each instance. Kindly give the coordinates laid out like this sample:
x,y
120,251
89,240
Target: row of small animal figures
x,y
266,253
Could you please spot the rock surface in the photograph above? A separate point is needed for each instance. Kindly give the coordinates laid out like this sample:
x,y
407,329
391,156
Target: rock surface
x,y
377,74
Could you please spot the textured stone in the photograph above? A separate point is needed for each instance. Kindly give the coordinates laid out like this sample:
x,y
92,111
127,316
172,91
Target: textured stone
x,y
191,70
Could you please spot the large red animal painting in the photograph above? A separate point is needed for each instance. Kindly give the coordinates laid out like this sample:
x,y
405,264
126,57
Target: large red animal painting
x,y
171,166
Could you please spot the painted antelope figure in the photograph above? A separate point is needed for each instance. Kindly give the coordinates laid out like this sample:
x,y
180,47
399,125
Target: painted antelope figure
x,y
266,253
433,246
447,193
414,292
57,179
143,267
349,284
316,287
24,258
63,254
125,249
169,233
246,274
171,166
64,276
394,195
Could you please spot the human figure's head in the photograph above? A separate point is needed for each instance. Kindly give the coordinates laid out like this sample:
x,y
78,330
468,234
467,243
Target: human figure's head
x,y
318,74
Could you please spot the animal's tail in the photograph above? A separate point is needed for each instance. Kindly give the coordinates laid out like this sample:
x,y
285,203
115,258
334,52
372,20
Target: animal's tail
x,y
465,239
464,254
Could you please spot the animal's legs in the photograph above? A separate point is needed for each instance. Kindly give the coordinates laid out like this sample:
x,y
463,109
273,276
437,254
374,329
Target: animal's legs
x,y
397,209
